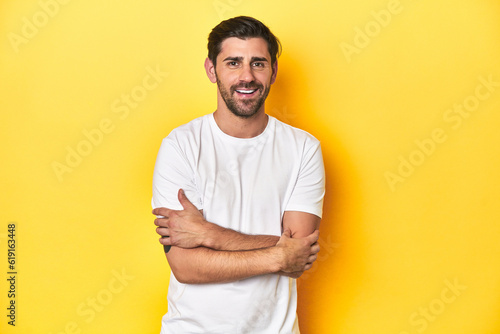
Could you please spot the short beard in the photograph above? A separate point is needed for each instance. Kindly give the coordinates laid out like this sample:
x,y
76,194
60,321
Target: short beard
x,y
238,110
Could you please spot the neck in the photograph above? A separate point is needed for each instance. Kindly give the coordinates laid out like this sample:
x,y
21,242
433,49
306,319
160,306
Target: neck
x,y
241,127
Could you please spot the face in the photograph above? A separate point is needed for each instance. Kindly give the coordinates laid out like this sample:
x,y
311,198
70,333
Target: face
x,y
243,74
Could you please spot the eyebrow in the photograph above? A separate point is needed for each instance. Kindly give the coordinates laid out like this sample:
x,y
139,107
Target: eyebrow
x,y
259,59
241,59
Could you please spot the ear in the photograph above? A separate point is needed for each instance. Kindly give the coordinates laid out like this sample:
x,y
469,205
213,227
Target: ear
x,y
210,69
275,72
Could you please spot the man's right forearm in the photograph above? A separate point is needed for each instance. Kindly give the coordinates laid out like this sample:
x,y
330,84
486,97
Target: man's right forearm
x,y
204,265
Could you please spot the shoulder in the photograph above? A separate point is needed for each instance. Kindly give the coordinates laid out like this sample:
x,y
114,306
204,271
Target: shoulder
x,y
188,134
191,128
295,135
185,140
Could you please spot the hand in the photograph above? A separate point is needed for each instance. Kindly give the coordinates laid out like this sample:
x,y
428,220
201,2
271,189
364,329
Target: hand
x,y
295,274
184,228
297,254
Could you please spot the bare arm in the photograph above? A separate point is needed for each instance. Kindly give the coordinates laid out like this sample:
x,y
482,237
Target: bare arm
x,y
204,265
221,238
300,224
188,229
192,262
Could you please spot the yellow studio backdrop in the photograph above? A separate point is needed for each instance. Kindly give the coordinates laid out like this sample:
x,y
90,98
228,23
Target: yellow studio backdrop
x,y
403,94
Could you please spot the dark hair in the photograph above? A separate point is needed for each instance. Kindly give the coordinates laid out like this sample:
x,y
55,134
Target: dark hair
x,y
242,27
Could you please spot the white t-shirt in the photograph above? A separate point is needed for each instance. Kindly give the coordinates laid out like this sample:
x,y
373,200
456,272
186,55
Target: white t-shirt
x,y
245,184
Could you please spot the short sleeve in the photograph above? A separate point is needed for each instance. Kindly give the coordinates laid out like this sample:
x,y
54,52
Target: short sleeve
x,y
309,190
173,172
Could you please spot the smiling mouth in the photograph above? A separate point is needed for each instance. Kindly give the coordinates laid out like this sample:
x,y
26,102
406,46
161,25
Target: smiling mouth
x,y
246,91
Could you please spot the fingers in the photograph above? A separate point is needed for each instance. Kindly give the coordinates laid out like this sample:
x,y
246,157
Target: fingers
x,y
165,232
313,237
162,222
312,258
287,233
162,212
166,241
186,204
310,262
315,249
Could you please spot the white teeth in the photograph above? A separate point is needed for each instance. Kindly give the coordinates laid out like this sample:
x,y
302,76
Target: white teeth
x,y
246,91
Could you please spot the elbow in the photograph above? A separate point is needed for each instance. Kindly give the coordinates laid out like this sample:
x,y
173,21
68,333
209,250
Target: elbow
x,y
187,278
183,276
188,275
182,271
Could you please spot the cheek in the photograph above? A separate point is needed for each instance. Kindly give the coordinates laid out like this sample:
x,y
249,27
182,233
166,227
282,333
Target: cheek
x,y
265,80
264,77
228,80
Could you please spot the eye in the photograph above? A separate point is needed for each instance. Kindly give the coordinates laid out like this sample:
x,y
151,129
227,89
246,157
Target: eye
x,y
232,63
258,64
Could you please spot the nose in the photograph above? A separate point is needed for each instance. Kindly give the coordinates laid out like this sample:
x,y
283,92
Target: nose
x,y
246,74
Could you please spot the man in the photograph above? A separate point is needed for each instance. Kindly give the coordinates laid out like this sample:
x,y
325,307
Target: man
x,y
239,197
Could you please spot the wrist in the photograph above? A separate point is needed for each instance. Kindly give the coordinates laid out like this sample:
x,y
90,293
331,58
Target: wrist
x,y
277,262
209,236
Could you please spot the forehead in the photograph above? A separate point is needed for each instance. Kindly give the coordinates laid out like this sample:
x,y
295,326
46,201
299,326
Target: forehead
x,y
246,48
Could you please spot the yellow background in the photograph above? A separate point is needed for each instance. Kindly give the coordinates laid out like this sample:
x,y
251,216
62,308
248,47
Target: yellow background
x,y
389,250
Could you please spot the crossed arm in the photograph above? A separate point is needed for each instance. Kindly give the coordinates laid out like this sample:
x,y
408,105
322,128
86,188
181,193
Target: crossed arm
x,y
203,252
